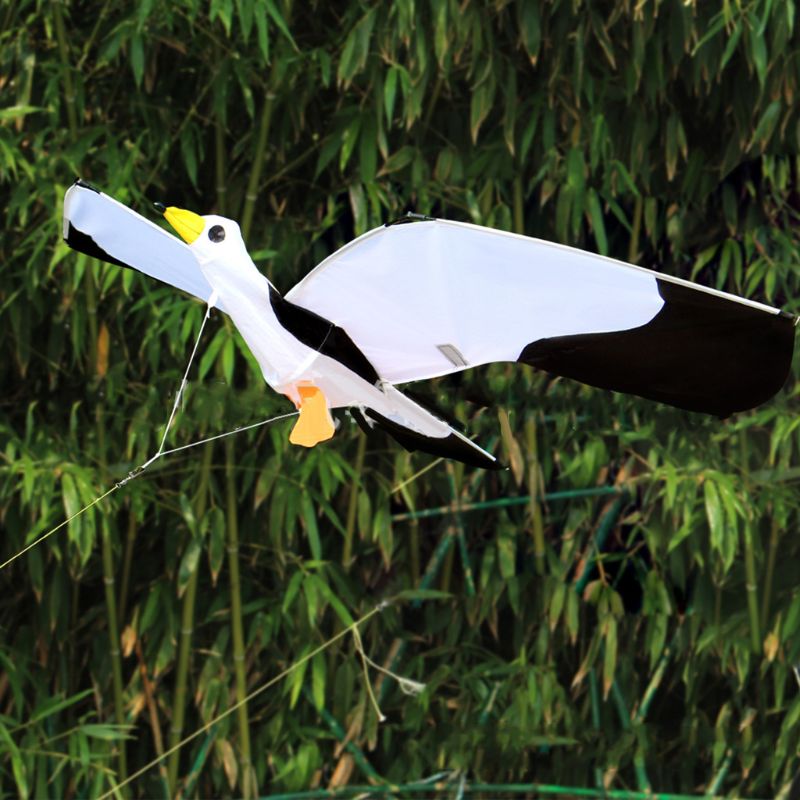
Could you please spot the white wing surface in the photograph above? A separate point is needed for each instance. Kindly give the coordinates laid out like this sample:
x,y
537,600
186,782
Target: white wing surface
x,y
99,226
428,298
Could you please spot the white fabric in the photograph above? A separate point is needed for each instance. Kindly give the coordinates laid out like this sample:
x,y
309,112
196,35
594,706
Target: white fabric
x,y
403,291
134,240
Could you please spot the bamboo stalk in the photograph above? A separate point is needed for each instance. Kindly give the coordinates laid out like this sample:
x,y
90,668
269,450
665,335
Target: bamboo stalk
x,y
155,726
352,503
534,489
469,580
185,635
69,90
594,695
774,541
248,775
413,547
258,162
114,645
91,309
716,782
505,502
752,590
751,578
625,720
519,206
127,561
633,247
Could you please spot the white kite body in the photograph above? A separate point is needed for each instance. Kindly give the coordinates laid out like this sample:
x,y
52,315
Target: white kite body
x,y
414,301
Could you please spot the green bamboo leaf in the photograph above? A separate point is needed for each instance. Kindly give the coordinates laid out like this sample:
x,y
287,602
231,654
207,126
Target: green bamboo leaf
x,y
349,142
730,47
528,134
318,676
390,92
262,35
531,27
189,153
398,160
573,615
245,10
216,541
278,19
52,705
759,55
717,24
312,531
337,605
610,653
295,680
714,514
228,357
17,763
510,114
597,222
480,106
408,595
356,49
507,554
442,32
766,125
107,732
558,597
137,57
622,171
18,112
222,9
188,565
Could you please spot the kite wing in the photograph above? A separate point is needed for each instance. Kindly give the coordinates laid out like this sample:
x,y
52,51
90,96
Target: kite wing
x,y
434,297
99,226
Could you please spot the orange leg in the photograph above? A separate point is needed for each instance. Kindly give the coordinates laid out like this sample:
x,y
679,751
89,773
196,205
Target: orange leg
x,y
315,424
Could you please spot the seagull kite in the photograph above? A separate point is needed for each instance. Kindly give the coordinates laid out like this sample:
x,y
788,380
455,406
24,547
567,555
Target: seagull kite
x,y
406,302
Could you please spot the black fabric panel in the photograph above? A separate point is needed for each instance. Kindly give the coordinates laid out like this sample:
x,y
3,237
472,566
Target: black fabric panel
x,y
321,335
451,446
701,352
84,243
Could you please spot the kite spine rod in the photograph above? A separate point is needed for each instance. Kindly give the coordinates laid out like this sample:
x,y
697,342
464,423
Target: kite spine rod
x,y
137,471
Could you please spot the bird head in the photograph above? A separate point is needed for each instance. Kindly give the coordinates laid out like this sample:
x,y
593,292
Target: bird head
x,y
211,238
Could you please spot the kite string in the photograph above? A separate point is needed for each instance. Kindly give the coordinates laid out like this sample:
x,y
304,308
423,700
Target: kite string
x,y
60,525
271,682
137,471
179,395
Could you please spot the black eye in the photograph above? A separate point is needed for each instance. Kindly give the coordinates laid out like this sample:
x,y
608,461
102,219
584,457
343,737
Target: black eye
x,y
216,233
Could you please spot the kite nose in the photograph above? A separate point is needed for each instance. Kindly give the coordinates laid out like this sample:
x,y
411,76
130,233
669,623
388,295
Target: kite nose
x,y
186,223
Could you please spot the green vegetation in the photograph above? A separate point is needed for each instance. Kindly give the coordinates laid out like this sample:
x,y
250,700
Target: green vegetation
x,y
637,638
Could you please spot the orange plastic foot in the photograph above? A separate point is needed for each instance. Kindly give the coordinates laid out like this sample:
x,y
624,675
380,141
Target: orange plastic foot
x,y
315,424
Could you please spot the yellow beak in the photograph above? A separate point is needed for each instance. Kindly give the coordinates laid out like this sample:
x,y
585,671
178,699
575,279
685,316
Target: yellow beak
x,y
188,224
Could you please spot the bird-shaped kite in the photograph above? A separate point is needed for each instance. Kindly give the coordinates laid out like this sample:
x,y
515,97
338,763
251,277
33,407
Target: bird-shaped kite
x,y
405,302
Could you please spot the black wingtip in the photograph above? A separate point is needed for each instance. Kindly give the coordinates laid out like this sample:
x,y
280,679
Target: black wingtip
x,y
452,446
160,207
409,216
86,185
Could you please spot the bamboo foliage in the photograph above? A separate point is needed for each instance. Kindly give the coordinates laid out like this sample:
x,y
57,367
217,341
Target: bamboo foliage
x,y
635,613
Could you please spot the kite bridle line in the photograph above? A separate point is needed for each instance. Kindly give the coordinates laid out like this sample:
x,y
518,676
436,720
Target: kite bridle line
x,y
353,628
137,471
